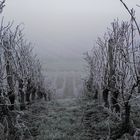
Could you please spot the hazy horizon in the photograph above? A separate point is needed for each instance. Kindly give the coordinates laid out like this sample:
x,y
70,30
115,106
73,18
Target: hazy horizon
x,y
63,30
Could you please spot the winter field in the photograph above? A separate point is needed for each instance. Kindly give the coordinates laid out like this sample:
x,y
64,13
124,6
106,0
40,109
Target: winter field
x,y
66,84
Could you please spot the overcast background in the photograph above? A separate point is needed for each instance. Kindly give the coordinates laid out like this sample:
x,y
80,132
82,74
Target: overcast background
x,y
63,29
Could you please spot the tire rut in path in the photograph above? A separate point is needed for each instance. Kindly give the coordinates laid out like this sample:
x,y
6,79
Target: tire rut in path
x,y
62,122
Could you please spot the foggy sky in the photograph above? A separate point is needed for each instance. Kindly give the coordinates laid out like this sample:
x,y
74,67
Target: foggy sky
x,y
63,29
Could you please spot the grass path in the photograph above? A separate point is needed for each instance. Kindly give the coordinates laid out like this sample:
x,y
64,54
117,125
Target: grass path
x,y
60,121
64,119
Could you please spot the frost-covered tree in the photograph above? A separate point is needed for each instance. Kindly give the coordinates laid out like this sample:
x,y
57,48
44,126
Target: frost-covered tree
x,y
115,67
21,78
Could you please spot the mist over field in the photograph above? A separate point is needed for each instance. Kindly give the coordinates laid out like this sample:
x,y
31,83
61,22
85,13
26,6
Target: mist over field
x,y
63,30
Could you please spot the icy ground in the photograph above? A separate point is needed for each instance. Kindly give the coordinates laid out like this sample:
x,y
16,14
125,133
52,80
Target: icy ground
x,y
57,120
72,119
63,121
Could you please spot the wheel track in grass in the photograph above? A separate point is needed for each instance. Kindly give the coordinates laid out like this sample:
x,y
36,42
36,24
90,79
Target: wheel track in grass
x,y
63,121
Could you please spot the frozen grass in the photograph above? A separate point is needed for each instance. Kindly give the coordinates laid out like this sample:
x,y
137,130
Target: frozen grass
x,y
72,119
62,122
66,119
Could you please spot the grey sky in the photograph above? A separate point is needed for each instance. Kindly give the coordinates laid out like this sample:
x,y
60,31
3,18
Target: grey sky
x,y
64,29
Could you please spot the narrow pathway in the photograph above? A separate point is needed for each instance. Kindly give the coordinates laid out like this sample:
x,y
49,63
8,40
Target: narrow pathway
x,y
60,121
70,119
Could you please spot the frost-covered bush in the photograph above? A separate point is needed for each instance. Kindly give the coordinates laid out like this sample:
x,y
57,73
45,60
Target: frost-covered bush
x,y
113,69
